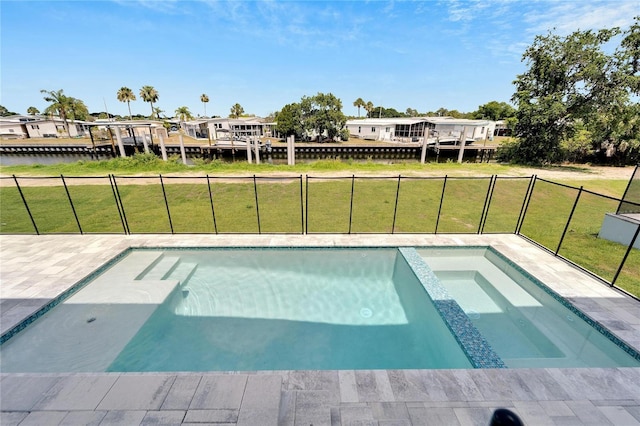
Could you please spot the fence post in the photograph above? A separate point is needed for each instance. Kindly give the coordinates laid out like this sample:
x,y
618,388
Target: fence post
x,y
33,222
124,215
626,254
525,204
213,212
115,197
166,203
255,190
353,181
306,201
301,208
627,189
487,202
444,185
566,226
395,208
73,209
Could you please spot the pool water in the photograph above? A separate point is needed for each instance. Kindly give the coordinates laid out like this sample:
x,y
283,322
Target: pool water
x,y
245,309
524,323
309,309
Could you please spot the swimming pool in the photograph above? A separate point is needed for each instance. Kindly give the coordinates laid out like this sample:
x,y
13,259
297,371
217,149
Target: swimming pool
x,y
257,309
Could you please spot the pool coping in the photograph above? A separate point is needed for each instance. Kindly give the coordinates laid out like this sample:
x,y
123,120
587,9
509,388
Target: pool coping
x,y
330,397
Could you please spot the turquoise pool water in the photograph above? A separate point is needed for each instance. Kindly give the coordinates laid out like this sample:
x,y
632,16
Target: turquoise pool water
x,y
527,325
312,309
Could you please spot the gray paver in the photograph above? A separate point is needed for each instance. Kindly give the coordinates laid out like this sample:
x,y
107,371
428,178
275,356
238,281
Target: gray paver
x,y
39,418
351,413
531,412
619,416
137,392
261,401
433,416
86,418
120,417
287,408
348,387
181,393
211,416
76,393
219,391
164,417
314,407
588,413
11,418
556,408
18,393
389,410
373,386
473,416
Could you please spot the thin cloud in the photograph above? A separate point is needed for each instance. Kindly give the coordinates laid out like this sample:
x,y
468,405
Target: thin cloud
x,y
566,17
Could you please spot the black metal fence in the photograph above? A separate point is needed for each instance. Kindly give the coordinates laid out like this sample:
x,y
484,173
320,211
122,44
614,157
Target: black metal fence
x,y
562,219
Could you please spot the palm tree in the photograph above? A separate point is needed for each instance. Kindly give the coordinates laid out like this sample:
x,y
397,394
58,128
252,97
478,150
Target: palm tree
x,y
149,94
204,99
236,111
157,111
369,108
183,113
32,110
359,103
59,104
126,95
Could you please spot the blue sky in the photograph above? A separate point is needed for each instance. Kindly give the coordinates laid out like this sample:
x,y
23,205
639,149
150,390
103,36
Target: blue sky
x,y
266,54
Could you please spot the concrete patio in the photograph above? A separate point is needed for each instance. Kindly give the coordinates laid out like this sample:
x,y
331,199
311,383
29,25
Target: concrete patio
x,y
35,269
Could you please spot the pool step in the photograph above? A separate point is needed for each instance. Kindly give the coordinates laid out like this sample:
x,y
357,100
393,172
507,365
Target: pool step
x,y
159,269
182,272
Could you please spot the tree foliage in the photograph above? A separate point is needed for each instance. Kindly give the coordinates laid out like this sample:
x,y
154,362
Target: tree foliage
x,y
322,114
150,94
236,111
289,120
59,105
183,113
4,112
494,111
33,110
204,99
126,95
571,80
359,103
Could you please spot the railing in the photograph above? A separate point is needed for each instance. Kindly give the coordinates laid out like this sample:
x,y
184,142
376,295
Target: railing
x,y
562,219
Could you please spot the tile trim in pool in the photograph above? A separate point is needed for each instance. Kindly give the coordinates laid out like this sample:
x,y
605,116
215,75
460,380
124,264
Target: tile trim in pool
x,y
477,349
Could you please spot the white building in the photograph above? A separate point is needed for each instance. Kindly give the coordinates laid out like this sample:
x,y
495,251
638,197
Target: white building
x,y
224,128
412,129
38,126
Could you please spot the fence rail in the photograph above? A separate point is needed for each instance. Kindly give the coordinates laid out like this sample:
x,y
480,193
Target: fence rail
x,y
562,219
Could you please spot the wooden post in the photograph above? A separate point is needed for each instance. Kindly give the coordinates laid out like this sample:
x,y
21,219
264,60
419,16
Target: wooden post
x,y
182,151
463,141
257,149
120,144
144,143
248,142
423,155
163,149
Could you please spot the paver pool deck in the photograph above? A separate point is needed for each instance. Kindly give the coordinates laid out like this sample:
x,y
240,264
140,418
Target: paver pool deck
x,y
36,269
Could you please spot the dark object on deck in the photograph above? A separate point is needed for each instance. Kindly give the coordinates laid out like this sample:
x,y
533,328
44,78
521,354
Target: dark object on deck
x,y
504,417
